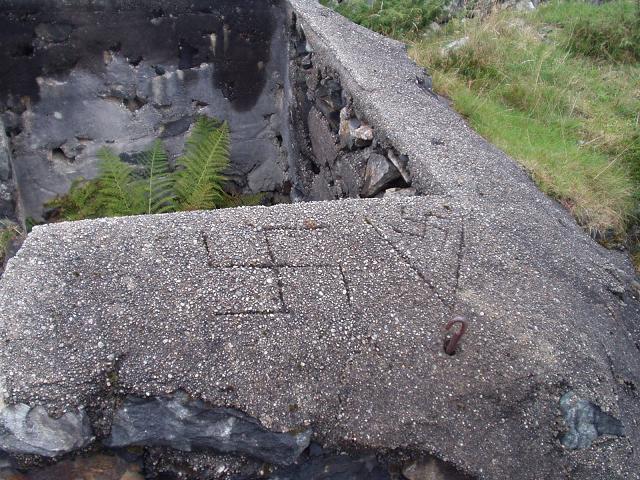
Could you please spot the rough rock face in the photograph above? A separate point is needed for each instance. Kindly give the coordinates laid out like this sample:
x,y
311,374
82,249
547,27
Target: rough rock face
x,y
5,156
26,430
379,173
7,207
336,153
78,77
586,422
331,316
186,425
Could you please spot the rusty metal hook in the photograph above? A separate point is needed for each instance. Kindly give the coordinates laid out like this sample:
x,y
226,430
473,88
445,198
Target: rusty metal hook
x,y
450,346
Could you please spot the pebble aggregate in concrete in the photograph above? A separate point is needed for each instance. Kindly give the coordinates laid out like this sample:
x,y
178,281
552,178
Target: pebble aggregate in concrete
x,y
339,328
348,337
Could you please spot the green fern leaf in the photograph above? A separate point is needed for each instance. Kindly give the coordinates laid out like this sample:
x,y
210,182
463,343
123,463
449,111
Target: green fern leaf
x,y
121,190
199,179
203,127
158,183
79,203
119,194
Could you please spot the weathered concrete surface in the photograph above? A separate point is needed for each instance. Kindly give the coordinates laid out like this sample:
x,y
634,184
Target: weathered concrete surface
x,y
331,315
524,263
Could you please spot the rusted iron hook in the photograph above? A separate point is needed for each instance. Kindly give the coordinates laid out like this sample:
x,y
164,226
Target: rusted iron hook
x,y
452,343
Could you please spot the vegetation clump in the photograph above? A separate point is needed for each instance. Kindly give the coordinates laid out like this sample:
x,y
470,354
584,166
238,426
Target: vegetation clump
x,y
610,32
558,89
120,189
395,18
9,232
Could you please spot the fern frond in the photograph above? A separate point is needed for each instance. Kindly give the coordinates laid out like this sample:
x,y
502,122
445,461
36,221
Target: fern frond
x,y
158,181
203,126
78,203
118,194
82,200
199,181
120,190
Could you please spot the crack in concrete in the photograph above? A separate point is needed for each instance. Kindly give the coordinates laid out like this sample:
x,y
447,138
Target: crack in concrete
x,y
270,228
411,234
205,241
460,257
408,262
347,289
276,269
231,313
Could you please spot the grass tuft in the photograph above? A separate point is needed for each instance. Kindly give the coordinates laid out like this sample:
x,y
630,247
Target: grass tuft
x,y
570,119
9,231
608,32
558,89
395,18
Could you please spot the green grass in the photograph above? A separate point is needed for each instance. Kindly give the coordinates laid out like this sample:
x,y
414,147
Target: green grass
x,y
394,18
9,231
570,119
558,89
608,32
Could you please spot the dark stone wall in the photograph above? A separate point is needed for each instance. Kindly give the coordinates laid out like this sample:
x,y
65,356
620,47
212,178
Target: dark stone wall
x,y
76,76
39,39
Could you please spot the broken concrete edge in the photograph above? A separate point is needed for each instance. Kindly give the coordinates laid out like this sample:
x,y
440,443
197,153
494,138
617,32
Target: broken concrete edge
x,y
183,424
174,421
41,250
29,431
73,426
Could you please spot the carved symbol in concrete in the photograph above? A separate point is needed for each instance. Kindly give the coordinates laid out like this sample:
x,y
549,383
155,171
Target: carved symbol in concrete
x,y
284,269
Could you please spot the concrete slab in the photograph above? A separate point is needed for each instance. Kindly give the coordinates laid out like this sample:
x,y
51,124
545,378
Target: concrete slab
x,y
343,332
